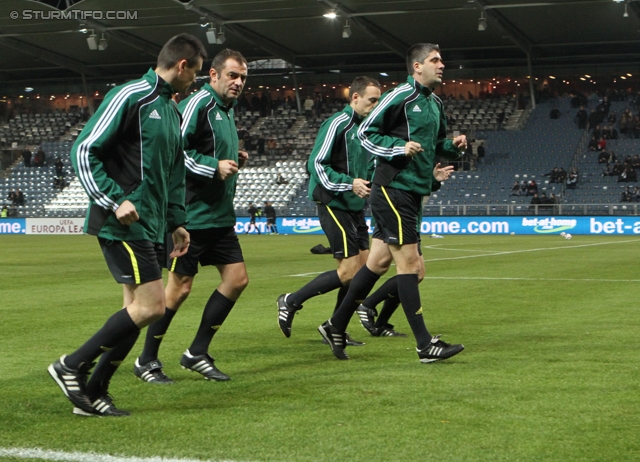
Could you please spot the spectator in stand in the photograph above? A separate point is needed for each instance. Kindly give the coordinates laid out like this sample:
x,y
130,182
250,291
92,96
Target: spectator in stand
x,y
532,189
40,157
593,144
260,144
603,157
618,168
19,197
26,156
308,107
562,175
535,200
555,113
597,132
59,182
604,106
636,127
5,211
59,165
481,151
612,159
451,120
12,197
515,190
572,180
553,175
287,150
613,118
281,179
593,119
602,144
500,116
626,120
272,144
627,195
524,188
553,199
582,117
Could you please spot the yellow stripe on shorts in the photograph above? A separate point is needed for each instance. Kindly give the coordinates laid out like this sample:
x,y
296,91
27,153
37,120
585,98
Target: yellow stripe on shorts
x,y
134,262
400,238
173,265
344,235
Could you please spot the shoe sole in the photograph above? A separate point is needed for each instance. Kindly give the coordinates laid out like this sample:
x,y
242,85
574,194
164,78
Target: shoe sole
x,y
80,412
204,376
54,375
324,335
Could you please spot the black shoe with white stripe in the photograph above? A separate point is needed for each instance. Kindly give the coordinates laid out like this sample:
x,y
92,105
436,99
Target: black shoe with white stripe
x,y
438,350
367,318
203,364
72,382
102,406
286,313
151,372
336,340
350,340
387,331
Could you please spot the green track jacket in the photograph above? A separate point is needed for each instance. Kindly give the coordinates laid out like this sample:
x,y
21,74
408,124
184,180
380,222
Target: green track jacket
x,y
409,112
209,135
131,150
336,160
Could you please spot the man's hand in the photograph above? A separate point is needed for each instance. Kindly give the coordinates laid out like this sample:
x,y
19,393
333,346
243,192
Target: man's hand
x,y
442,173
127,213
243,157
181,240
460,142
361,188
226,168
412,148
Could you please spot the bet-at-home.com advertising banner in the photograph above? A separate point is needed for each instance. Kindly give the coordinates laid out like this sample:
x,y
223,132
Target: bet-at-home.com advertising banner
x,y
600,225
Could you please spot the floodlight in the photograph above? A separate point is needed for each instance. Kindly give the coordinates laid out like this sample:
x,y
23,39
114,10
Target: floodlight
x,y
211,35
92,41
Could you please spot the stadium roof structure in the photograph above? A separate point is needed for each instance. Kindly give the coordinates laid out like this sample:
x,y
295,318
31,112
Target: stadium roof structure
x,y
47,41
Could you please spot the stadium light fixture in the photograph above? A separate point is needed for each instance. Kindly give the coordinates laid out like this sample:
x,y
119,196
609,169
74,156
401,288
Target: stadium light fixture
x,y
331,14
221,37
211,36
102,45
626,12
346,31
482,22
92,41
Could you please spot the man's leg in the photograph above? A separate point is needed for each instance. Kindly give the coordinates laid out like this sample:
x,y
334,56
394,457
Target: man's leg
x,y
234,281
147,366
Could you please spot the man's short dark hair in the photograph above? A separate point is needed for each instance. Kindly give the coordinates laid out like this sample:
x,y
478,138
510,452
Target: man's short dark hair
x,y
220,59
360,84
182,46
418,53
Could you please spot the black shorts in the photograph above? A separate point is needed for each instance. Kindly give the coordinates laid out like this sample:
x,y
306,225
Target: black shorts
x,y
211,246
347,232
271,221
396,213
377,234
133,262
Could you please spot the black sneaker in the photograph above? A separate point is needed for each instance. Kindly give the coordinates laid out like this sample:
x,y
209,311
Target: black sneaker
x,y
102,406
336,340
203,364
151,372
387,331
367,318
72,382
286,313
350,341
438,350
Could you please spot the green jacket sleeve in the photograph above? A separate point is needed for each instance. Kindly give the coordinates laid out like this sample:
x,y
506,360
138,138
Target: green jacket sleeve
x,y
445,147
198,165
93,147
372,128
319,164
176,212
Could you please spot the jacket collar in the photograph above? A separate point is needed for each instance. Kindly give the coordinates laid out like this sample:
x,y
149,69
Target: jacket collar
x,y
216,96
164,88
418,86
349,110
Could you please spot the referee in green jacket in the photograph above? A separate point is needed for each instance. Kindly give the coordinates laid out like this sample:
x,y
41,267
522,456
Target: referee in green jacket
x,y
129,159
338,184
405,132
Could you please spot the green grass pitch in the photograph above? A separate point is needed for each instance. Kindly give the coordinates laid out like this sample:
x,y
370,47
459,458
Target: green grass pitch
x,y
550,371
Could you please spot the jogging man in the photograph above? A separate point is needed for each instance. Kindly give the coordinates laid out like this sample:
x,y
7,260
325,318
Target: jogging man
x,y
270,213
405,132
338,168
212,160
129,160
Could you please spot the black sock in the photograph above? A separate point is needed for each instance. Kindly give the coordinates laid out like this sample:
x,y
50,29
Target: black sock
x,y
325,282
410,299
389,307
109,362
215,312
118,327
155,334
362,283
341,294
389,288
